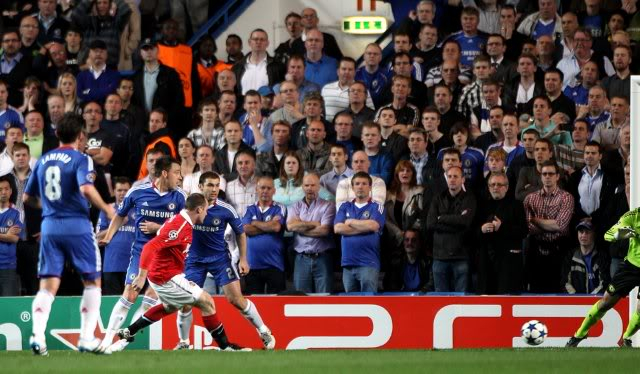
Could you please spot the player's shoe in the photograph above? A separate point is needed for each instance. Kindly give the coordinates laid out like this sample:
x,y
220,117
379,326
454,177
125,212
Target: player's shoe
x,y
92,346
236,348
626,343
118,346
182,345
268,340
125,334
38,348
574,341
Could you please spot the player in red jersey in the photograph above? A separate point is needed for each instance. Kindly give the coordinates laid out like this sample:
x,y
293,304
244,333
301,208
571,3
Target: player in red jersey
x,y
162,262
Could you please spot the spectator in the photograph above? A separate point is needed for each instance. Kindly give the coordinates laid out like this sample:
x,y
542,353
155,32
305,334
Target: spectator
x,y
97,22
411,271
29,36
52,26
241,192
269,163
118,252
256,128
12,225
151,156
616,159
442,99
179,56
157,85
311,220
614,210
296,72
8,115
425,13
559,101
455,73
484,141
472,93
55,111
510,144
50,65
545,53
543,22
342,96
257,68
210,132
130,37
194,13
100,142
310,23
312,106
566,44
100,80
158,138
315,155
264,224
392,142
481,114
502,68
68,89
543,123
14,135
288,185
583,52
187,156
126,151
406,113
343,124
502,230
291,110
571,157
423,163
16,66
402,44
472,41
426,51
360,224
525,86
204,159
76,50
320,68
293,23
529,179
579,91
227,103
371,74
586,271
619,84
449,219
39,143
338,158
417,94
225,163
233,47
513,39
209,66
529,138
548,214
472,158
381,162
608,133
345,192
132,114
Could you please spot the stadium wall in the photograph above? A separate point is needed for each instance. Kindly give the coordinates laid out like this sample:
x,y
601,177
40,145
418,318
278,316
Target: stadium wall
x,y
387,322
269,15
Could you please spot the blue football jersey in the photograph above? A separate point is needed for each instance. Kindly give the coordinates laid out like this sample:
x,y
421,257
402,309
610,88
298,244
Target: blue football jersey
x,y
266,250
208,237
361,249
118,251
56,180
470,46
150,204
9,217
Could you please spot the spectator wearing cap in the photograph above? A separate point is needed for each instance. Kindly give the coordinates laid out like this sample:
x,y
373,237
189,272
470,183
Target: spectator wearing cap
x,y
257,68
99,81
15,67
586,270
156,85
266,95
52,26
97,22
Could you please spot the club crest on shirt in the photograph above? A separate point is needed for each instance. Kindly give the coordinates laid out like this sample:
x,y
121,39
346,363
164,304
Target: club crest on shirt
x,y
171,206
9,223
7,124
132,276
91,177
216,221
366,214
267,218
173,235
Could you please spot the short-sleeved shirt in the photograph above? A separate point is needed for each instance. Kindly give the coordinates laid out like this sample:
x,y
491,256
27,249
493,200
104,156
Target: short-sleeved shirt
x,y
208,237
149,204
319,210
9,217
118,251
361,249
266,250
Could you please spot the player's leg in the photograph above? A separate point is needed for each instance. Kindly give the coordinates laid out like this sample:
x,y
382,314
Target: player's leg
x,y
196,273
213,324
50,265
632,327
247,308
149,300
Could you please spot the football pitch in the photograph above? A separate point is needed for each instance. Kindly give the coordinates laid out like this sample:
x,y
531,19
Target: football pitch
x,y
548,360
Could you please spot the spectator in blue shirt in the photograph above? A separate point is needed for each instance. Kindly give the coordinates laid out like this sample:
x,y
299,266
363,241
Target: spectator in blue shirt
x,y
320,69
372,74
10,227
96,83
472,42
360,222
381,161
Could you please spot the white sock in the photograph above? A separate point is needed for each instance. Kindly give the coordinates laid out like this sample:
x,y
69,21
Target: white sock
x,y
147,303
252,315
40,310
89,312
118,315
184,321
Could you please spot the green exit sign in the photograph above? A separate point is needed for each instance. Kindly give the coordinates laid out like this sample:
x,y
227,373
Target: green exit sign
x,y
364,25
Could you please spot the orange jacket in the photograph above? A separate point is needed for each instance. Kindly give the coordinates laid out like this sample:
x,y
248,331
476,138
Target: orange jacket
x,y
180,58
166,139
208,76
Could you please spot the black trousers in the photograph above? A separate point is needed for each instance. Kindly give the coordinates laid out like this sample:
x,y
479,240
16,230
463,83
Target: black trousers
x,y
500,272
544,265
113,283
265,281
27,255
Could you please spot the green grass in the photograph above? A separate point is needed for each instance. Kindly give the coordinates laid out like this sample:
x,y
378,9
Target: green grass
x,y
543,361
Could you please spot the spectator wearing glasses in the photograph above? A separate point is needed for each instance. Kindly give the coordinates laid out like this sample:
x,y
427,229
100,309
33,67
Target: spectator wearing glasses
x,y
583,52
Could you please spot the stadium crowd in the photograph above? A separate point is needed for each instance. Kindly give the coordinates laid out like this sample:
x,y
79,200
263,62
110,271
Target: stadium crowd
x,y
488,154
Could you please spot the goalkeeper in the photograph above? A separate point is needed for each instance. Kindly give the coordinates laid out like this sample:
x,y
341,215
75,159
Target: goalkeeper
x,y
625,279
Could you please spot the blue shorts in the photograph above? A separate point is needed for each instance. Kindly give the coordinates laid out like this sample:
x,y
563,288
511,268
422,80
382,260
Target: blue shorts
x,y
81,249
223,269
133,268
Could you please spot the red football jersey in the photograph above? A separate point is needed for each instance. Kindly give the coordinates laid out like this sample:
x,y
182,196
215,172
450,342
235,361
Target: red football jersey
x,y
163,256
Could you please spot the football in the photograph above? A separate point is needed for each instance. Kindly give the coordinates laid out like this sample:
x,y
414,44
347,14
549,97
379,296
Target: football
x,y
534,332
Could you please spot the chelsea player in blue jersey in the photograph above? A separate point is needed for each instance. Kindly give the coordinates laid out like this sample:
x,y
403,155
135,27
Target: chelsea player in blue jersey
x,y
63,181
209,253
154,203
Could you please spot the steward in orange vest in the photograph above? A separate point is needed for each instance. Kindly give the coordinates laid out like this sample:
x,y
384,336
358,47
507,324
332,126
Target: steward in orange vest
x,y
208,65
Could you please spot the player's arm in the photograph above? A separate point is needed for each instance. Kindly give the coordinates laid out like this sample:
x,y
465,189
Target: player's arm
x,y
12,235
114,226
148,251
90,192
241,240
623,229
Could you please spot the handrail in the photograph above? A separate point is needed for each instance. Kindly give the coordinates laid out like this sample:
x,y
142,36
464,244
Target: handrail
x,y
229,12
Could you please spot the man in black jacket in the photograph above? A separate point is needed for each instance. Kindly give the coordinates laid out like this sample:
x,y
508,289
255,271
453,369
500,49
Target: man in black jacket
x,y
502,228
449,219
260,68
310,22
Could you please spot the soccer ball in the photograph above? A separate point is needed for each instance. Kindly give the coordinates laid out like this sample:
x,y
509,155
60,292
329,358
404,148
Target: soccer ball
x,y
534,332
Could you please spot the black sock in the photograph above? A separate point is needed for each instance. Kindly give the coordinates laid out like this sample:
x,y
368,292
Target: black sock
x,y
220,337
139,325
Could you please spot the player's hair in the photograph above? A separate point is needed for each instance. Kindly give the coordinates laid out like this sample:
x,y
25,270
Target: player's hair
x,y
195,200
163,164
121,180
361,175
69,128
20,146
208,175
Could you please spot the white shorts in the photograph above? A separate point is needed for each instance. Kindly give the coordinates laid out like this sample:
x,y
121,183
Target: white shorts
x,y
177,292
